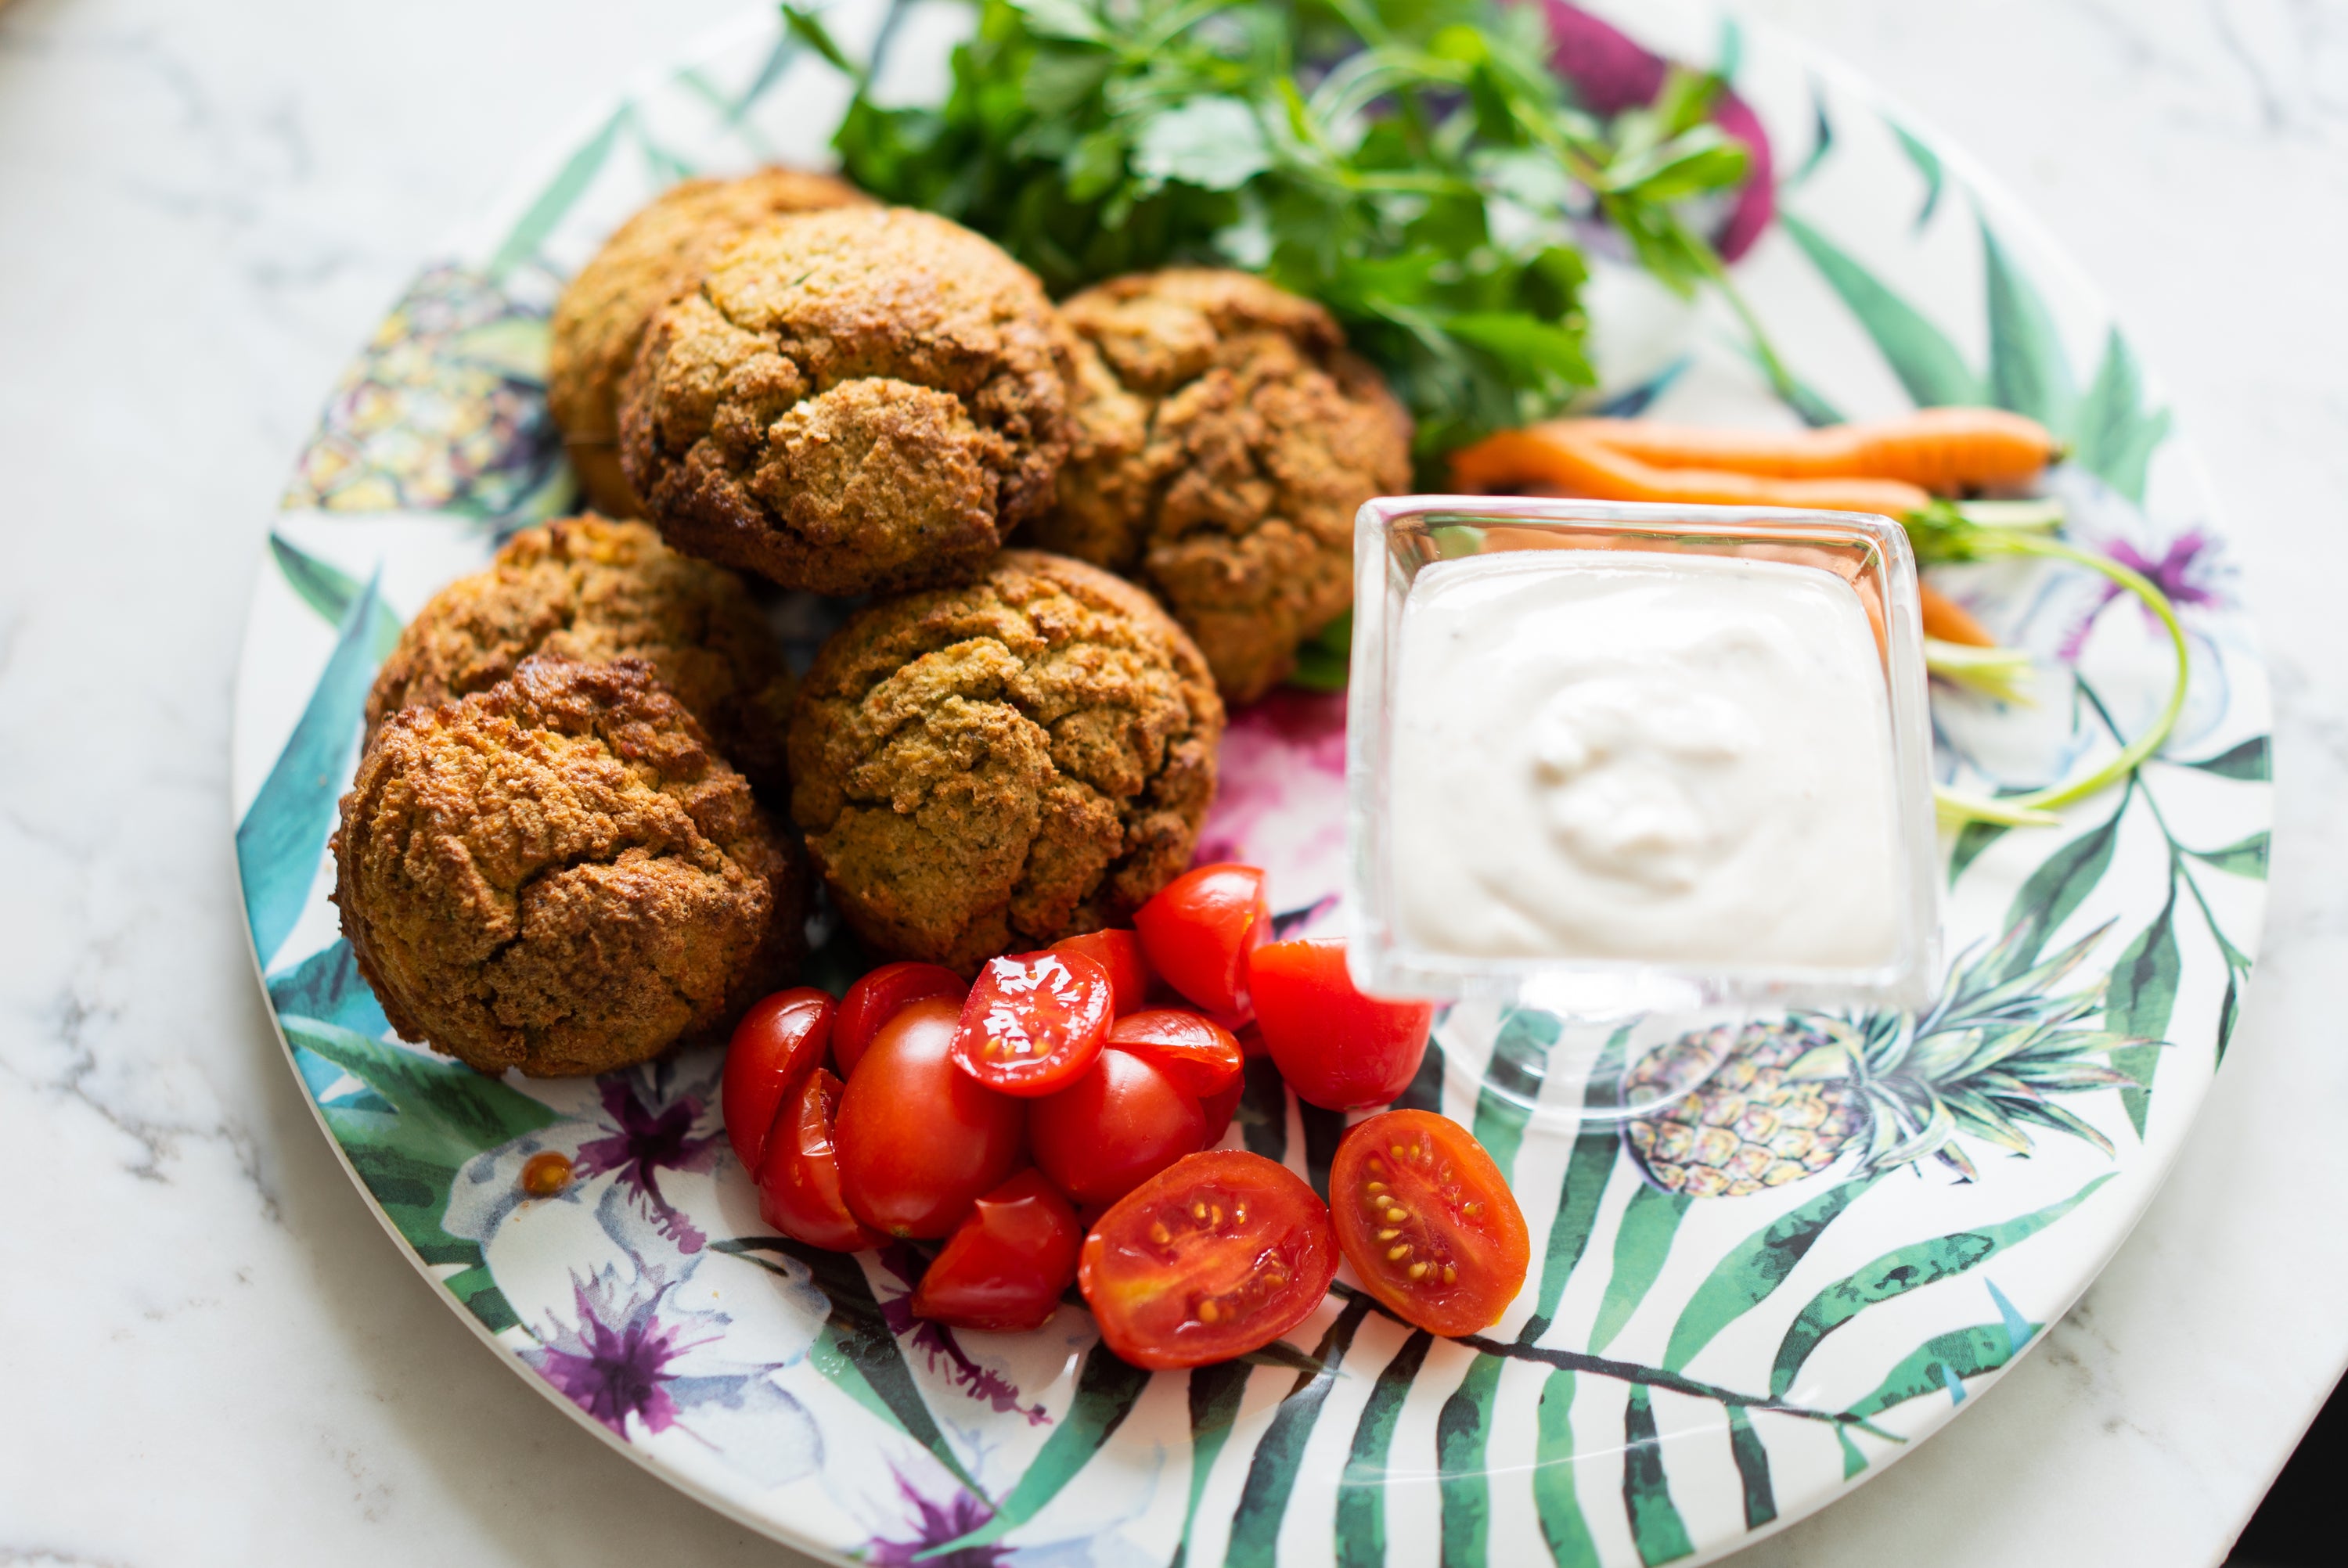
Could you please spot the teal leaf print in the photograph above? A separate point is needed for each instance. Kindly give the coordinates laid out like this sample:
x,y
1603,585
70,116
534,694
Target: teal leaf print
x,y
1271,1474
1586,1171
2111,435
2059,885
1462,1429
1362,1494
1897,1272
2140,997
1323,1130
285,830
1853,1461
1216,1393
327,986
1919,354
855,1351
1563,1529
2027,370
1655,1524
1752,1462
2244,858
1928,164
1642,1242
1960,1354
1106,1389
1426,1090
1753,1270
1972,839
1262,1113
1512,1083
2251,761
569,182
1325,660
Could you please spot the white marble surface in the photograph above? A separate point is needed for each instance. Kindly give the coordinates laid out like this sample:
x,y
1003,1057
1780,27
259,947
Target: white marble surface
x,y
213,1357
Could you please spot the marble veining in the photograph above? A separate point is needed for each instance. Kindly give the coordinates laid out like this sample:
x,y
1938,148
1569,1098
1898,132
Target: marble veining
x,y
218,1357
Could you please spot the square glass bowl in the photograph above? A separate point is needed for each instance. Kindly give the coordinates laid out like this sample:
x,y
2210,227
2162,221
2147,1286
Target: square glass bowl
x,y
1398,537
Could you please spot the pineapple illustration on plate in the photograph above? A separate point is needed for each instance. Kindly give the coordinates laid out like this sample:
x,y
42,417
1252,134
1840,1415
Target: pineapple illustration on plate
x,y
1793,1096
445,411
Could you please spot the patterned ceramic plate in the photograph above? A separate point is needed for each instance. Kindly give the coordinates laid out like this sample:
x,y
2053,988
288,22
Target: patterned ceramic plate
x,y
1743,1308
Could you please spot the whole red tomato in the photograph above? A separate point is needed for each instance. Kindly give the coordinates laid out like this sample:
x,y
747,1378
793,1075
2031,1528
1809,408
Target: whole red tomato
x,y
1119,1124
1220,1108
919,1139
1337,1048
1033,1023
1218,1254
874,999
779,1040
798,1186
1428,1222
1118,953
1199,930
1006,1265
1193,1049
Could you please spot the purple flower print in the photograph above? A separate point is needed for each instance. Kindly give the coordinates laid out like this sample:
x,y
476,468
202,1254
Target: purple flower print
x,y
935,1340
643,1142
934,1524
614,1362
2186,572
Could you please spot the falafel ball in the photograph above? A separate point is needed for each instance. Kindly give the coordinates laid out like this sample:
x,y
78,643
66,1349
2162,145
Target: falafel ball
x,y
1224,440
559,874
1002,765
651,258
596,590
855,400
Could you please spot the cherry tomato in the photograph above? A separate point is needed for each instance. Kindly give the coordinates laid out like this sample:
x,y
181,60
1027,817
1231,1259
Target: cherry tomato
x,y
1005,1266
1199,930
874,1000
1428,1222
1118,953
1192,1049
778,1040
1121,1124
1033,1023
919,1139
799,1186
1337,1048
1218,1255
1220,1108
1250,1041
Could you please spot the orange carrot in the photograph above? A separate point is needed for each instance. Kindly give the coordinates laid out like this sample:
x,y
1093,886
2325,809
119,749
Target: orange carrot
x,y
1555,459
1945,450
1949,622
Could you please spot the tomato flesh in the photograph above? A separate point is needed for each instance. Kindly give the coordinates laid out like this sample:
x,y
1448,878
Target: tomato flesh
x,y
1006,1265
1337,1048
1033,1023
1191,1048
1119,954
919,1140
1428,1222
798,1184
774,1046
874,999
1122,1122
1198,931
1218,1254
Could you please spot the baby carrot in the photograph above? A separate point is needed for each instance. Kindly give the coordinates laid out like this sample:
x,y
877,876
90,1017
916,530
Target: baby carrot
x,y
1949,622
1554,458
1945,450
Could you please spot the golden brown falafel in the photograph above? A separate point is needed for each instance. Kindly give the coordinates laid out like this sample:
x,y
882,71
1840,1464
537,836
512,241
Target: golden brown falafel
x,y
651,258
559,874
860,400
1224,440
1002,765
597,590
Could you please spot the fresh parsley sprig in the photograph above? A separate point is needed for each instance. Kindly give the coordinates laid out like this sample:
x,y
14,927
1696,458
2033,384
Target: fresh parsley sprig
x,y
1414,165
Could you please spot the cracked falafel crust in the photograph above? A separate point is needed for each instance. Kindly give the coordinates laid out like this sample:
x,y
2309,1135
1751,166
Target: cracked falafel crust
x,y
854,401
1223,440
591,589
649,260
1002,765
558,874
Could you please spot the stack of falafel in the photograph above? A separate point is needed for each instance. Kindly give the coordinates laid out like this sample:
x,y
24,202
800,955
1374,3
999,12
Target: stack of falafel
x,y
582,824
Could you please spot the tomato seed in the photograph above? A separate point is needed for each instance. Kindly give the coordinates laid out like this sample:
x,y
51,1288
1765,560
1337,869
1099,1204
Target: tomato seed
x,y
1159,1234
1208,1311
1397,1253
1417,1270
1375,1187
1394,1216
1388,1235
1449,1273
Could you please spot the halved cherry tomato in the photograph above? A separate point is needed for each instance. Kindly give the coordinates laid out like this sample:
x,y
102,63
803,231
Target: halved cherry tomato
x,y
778,1040
1428,1222
1199,930
1119,954
1193,1049
1005,1266
1033,1023
1217,1255
1121,1124
1338,1049
919,1139
874,1000
798,1186
1220,1108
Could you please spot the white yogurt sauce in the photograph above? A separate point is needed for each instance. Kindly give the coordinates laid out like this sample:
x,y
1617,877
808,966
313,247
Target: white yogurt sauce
x,y
1676,758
